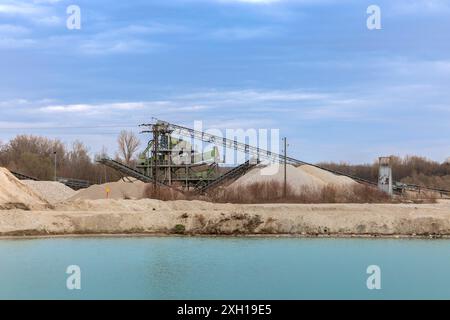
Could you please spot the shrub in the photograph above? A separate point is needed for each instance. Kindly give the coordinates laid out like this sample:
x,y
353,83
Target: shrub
x,y
179,229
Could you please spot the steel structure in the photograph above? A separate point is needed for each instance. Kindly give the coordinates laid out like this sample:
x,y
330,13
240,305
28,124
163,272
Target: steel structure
x,y
174,161
21,176
258,153
163,163
75,184
233,174
261,154
385,182
128,172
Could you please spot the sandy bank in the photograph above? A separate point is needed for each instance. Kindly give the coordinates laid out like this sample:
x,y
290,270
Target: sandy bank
x,y
203,218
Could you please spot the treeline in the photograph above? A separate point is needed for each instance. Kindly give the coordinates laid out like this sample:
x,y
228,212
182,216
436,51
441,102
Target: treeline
x,y
35,156
410,169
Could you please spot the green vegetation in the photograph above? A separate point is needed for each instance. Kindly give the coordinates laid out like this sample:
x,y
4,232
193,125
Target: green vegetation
x,y
179,229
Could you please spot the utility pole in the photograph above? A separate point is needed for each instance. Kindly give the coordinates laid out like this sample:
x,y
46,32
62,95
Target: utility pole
x,y
285,168
155,156
54,153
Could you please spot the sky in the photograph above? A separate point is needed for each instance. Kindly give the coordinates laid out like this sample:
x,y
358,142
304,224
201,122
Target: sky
x,y
310,68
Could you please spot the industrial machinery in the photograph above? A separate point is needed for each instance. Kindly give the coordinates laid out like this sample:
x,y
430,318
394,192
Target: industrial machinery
x,y
75,184
385,182
174,161
169,160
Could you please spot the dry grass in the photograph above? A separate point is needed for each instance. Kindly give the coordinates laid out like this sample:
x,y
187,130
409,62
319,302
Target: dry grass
x,y
163,193
272,192
171,194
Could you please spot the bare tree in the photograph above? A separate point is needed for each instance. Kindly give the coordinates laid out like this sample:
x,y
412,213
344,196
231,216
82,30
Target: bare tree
x,y
128,145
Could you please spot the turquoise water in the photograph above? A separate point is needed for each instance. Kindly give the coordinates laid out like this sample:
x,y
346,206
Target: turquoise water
x,y
224,268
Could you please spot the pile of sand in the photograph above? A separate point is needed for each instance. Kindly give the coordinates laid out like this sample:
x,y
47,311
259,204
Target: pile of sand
x,y
299,179
128,188
15,194
52,191
327,177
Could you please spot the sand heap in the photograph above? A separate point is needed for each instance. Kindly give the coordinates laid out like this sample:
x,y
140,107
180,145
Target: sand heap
x,y
127,188
52,191
327,177
15,194
300,178
297,179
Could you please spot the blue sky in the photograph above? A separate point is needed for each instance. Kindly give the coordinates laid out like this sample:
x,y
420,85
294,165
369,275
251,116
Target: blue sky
x,y
337,90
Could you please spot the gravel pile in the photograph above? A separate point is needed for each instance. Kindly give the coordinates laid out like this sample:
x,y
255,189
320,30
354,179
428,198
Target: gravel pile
x,y
327,177
15,194
52,191
121,190
298,178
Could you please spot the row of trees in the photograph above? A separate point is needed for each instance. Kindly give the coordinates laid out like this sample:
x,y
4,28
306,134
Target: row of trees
x,y
35,156
410,169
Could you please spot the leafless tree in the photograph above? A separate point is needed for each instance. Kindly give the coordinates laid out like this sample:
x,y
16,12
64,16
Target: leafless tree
x,y
128,145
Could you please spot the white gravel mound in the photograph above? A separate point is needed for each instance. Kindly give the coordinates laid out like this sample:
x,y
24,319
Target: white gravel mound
x,y
52,191
129,188
298,180
327,177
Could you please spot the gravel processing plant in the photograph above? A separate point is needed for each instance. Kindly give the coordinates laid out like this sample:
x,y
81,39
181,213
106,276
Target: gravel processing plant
x,y
134,203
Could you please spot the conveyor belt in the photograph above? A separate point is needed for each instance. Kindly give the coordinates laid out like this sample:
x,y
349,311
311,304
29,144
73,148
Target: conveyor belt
x,y
230,175
128,172
21,176
259,153
256,152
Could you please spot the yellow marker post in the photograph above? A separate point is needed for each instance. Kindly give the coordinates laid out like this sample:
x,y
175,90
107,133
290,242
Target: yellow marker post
x,y
108,190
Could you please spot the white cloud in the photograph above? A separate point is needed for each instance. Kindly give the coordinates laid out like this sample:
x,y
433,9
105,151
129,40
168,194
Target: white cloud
x,y
67,108
245,96
13,43
276,2
19,8
14,36
49,20
132,38
92,108
9,29
240,33
47,1
129,39
25,125
39,12
421,7
13,103
118,46
107,108
253,1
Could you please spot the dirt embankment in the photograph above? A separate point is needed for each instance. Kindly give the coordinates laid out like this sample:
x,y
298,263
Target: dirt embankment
x,y
203,218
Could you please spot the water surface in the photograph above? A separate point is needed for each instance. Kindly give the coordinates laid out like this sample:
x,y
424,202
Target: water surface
x,y
224,268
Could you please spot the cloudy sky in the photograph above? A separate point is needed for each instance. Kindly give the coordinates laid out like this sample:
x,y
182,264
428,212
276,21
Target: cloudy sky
x,y
311,68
